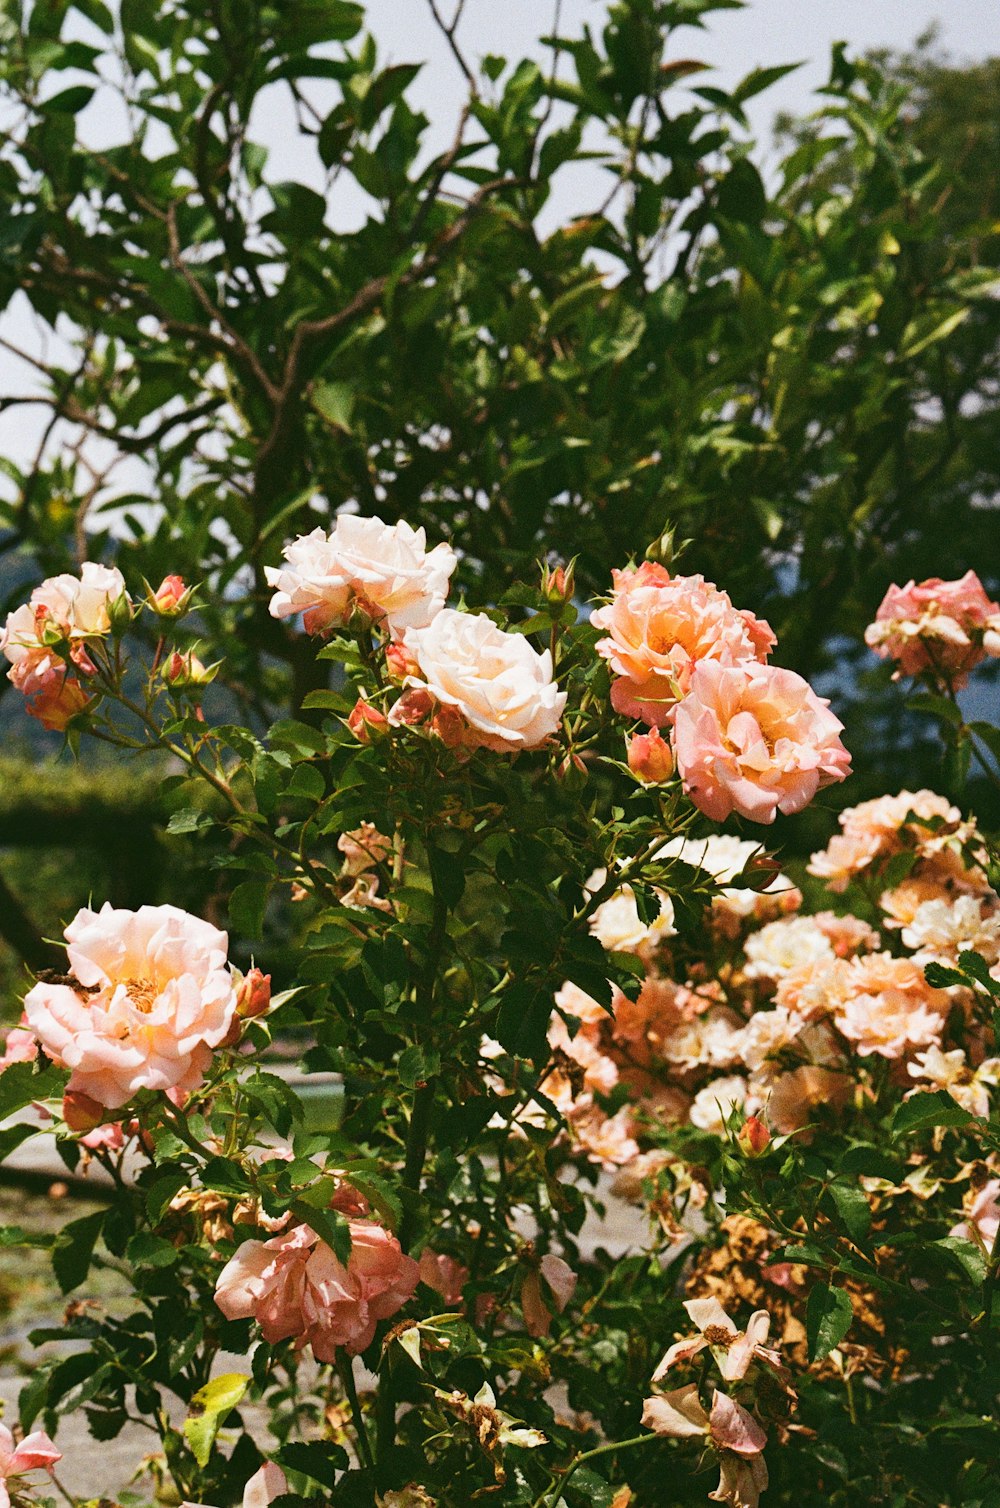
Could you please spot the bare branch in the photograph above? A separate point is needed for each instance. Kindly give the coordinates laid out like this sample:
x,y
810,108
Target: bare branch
x,y
449,30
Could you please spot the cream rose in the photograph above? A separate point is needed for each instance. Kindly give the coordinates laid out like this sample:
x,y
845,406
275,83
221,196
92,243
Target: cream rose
x,y
501,687
384,569
153,996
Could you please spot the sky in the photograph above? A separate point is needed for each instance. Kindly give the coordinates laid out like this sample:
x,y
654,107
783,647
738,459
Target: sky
x,y
732,43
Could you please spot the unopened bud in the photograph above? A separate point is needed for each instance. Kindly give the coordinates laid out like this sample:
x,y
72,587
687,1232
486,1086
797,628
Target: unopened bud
x,y
367,722
80,1112
399,662
650,757
120,614
183,670
171,597
254,994
754,1137
559,582
666,550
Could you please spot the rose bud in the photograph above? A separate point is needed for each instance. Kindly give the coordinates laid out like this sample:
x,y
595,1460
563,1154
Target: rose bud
x,y
399,662
253,995
366,722
186,670
80,1112
171,597
754,1137
559,583
650,757
120,614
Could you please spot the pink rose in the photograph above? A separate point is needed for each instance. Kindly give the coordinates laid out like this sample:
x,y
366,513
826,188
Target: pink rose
x,y
500,688
982,1222
154,996
756,740
171,597
20,1047
937,625
660,627
52,630
36,1452
445,1274
383,570
295,1288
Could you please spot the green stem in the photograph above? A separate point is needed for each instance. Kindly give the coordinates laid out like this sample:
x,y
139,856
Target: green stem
x,y
549,1498
346,1370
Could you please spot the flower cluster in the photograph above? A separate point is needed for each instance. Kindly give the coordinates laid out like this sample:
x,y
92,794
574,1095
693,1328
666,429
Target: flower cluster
x,y
747,737
942,629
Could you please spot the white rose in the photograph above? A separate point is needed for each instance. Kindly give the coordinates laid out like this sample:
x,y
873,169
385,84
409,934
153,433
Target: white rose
x,y
501,686
617,925
385,569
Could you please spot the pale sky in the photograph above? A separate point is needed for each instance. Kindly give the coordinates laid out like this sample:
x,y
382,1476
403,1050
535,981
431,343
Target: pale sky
x,y
732,43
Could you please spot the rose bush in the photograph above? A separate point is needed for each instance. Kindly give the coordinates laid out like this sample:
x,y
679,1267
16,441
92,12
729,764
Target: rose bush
x,y
532,980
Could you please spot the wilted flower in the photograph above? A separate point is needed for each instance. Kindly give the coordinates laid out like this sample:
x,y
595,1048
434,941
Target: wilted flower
x,y
733,1350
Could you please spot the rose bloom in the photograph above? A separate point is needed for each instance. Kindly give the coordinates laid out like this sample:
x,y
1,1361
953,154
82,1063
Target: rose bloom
x,y
716,1101
296,1289
755,740
53,626
791,1098
877,829
889,1007
941,929
846,934
154,997
36,1452
385,570
20,1046
501,688
936,625
949,1070
659,628
782,946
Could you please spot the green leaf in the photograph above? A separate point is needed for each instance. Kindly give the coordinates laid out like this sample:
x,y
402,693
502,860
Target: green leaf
x,y
23,1082
334,401
190,821
226,1177
932,1108
210,1406
247,905
317,1460
967,1254
853,1209
168,1182
74,1248
828,1319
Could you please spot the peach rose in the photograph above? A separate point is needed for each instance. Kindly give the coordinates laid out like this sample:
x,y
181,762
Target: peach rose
x,y
296,1289
660,627
501,688
889,1008
755,740
153,996
937,625
877,829
384,570
51,631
